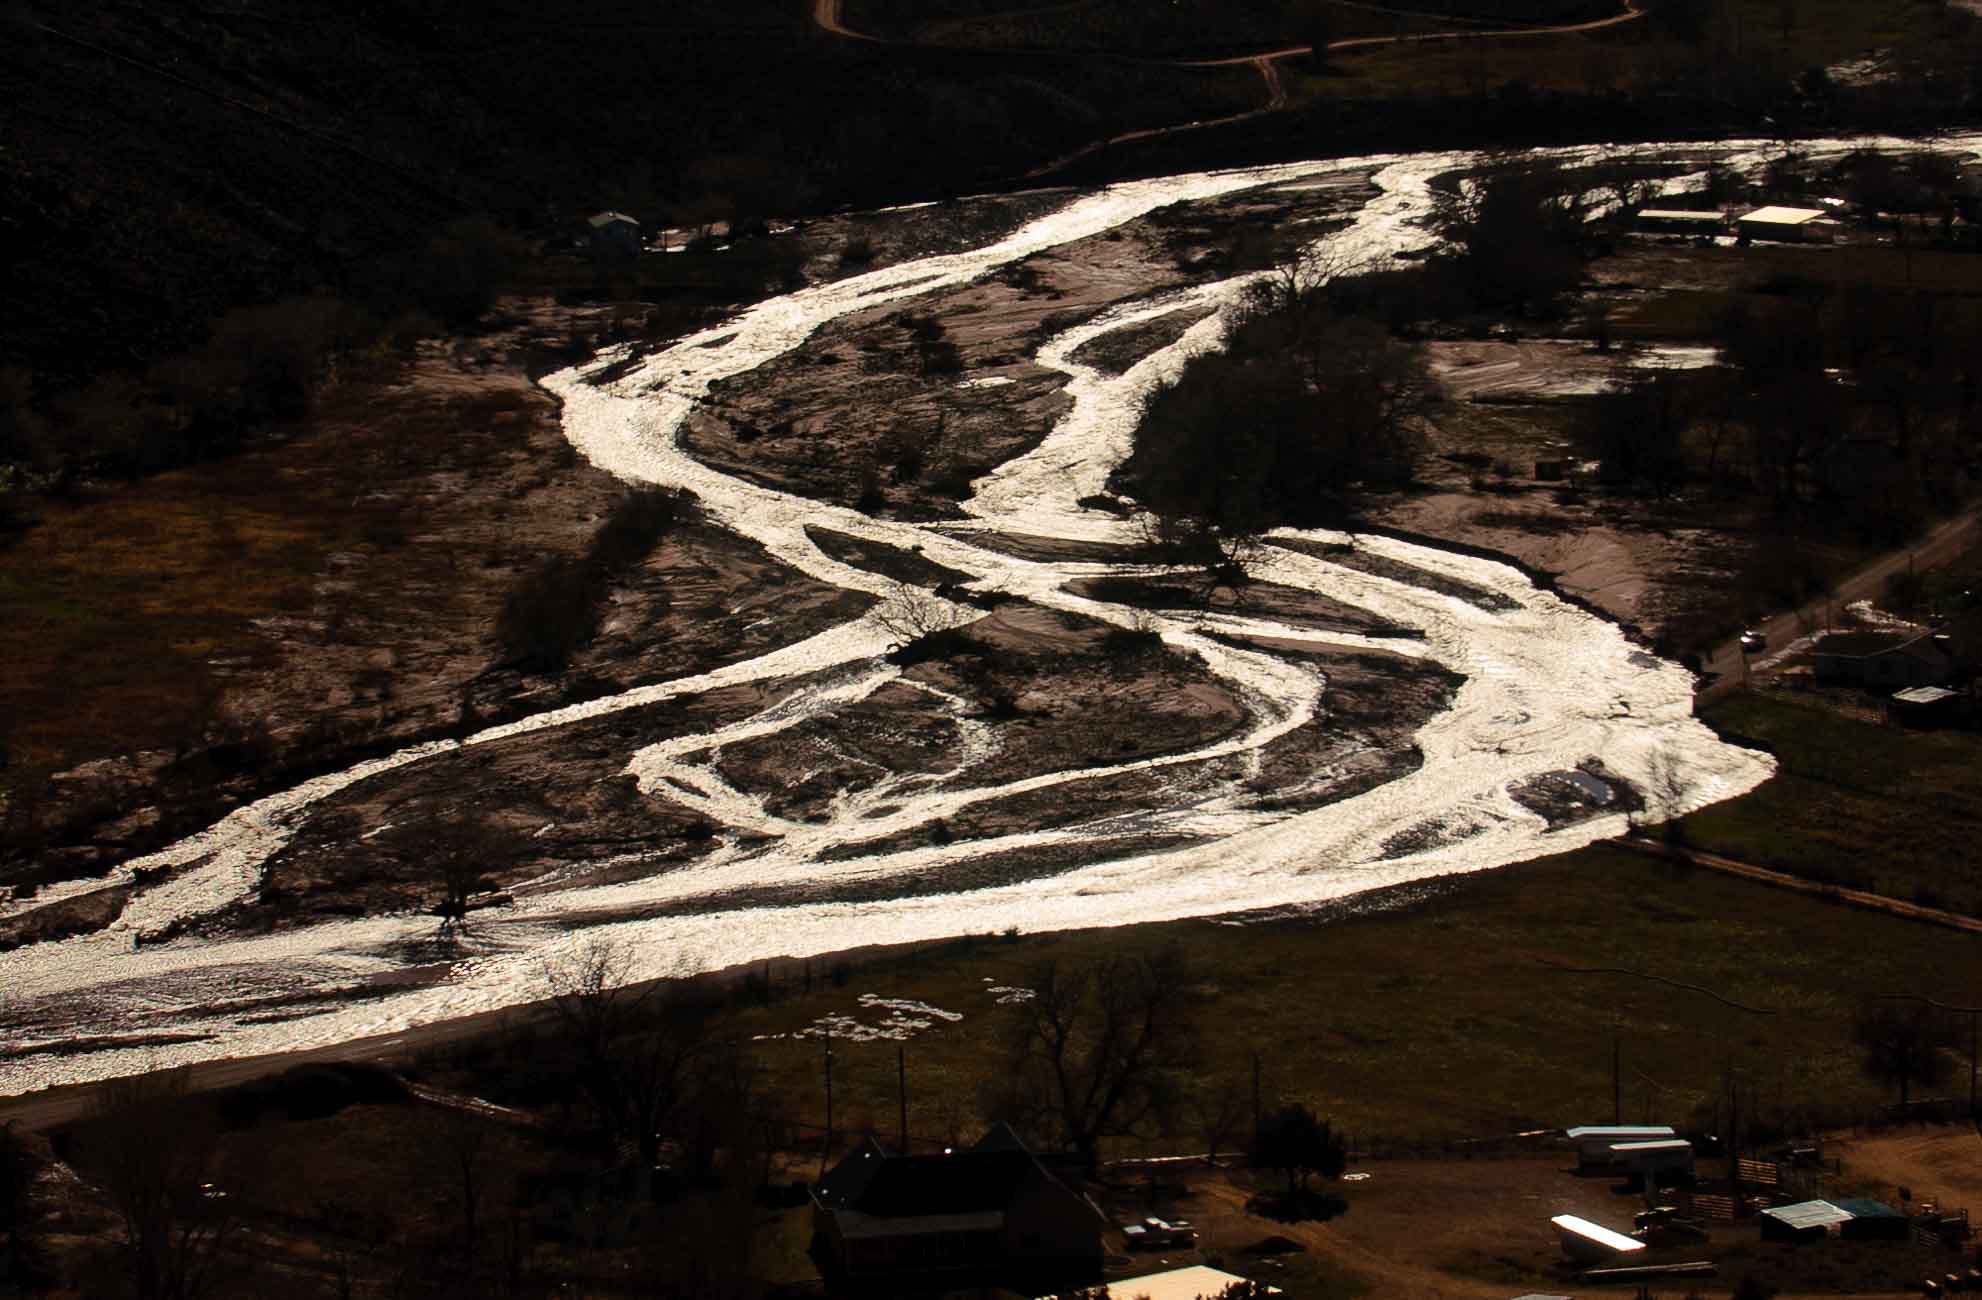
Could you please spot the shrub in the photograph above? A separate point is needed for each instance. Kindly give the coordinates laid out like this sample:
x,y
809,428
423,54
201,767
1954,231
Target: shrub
x,y
553,611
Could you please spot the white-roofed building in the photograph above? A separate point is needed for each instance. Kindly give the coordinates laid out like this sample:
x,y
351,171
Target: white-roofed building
x,y
1788,225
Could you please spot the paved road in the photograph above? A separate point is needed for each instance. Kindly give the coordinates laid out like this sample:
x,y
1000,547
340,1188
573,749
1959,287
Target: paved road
x,y
1938,547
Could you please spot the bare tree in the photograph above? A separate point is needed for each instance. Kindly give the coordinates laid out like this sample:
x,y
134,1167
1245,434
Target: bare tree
x,y
634,1045
1903,1043
156,1156
908,613
1219,1112
1102,1047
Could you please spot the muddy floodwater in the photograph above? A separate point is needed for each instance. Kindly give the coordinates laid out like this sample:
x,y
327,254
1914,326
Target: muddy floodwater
x,y
1551,726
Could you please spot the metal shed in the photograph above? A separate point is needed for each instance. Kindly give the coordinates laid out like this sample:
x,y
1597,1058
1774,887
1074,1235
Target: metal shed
x,y
1873,1221
1592,1243
1794,225
1679,219
1803,1221
1594,1141
1662,1155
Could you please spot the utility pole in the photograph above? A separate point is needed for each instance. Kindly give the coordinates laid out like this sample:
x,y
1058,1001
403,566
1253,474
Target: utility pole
x,y
1255,1094
901,1091
1616,1076
826,1147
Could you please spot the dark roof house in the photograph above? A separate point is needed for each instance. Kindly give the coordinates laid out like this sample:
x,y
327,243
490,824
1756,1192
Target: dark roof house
x,y
1888,659
614,235
885,1221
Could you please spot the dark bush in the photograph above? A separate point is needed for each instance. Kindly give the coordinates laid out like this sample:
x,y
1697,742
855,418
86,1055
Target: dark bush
x,y
554,610
1130,643
944,643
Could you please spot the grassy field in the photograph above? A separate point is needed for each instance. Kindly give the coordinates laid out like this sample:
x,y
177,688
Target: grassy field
x,y
1446,1015
1856,804
128,597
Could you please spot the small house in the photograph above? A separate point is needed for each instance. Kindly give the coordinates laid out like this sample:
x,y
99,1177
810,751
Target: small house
x,y
883,1219
1884,659
614,236
1788,225
1683,222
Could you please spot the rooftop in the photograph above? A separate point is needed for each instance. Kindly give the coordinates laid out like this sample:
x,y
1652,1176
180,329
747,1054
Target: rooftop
x,y
1924,695
1177,1284
1620,1132
1809,1214
1778,216
1597,1233
1682,214
1858,644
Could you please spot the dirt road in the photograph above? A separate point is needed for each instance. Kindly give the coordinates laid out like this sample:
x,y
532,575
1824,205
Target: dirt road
x,y
829,15
1941,546
1782,880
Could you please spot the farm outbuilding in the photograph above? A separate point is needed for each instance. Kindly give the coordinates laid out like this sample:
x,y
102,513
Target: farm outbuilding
x,y
1854,1219
1682,221
1924,706
1788,225
1653,1158
1592,1243
1191,1283
1873,1221
1594,1141
1803,1221
614,235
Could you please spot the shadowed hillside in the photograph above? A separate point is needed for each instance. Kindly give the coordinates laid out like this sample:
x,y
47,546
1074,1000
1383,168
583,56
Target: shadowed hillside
x,y
160,163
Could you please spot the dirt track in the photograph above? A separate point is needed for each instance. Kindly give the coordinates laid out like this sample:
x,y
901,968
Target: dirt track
x,y
829,15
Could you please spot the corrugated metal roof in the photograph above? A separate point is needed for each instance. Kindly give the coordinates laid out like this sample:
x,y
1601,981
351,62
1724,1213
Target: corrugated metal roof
x,y
1778,216
1177,1284
1680,214
1596,1232
1859,1207
1923,695
1657,1144
1809,1214
1620,1132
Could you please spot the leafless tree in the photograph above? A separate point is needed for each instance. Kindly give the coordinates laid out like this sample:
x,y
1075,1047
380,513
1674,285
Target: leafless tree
x,y
157,1155
1219,1112
635,1045
1102,1047
908,613
1903,1043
